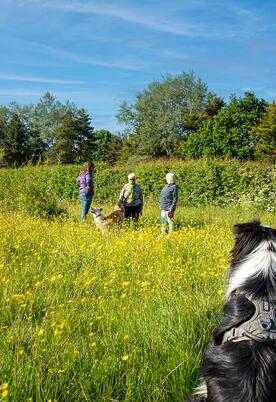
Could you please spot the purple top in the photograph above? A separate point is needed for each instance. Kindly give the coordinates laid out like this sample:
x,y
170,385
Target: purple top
x,y
85,182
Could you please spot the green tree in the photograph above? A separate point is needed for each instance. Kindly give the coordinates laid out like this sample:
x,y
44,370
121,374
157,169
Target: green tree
x,y
47,116
114,149
162,114
228,132
264,134
3,127
15,142
102,144
3,123
65,149
213,105
85,139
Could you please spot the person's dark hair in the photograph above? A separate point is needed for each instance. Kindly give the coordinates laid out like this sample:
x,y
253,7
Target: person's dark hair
x,y
88,166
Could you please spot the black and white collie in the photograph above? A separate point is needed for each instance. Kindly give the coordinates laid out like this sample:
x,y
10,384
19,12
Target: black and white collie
x,y
240,364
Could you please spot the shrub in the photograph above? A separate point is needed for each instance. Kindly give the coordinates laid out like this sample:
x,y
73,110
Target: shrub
x,y
41,190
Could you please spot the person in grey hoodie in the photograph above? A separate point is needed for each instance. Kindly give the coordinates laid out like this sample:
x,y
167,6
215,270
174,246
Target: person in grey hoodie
x,y
167,203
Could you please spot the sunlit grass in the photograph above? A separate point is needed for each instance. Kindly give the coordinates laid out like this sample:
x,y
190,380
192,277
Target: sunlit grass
x,y
125,316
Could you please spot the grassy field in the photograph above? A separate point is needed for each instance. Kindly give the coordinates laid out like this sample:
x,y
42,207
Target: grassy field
x,y
121,317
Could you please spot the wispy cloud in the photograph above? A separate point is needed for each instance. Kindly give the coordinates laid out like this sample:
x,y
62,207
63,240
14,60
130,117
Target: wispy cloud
x,y
140,17
205,19
39,80
147,16
125,64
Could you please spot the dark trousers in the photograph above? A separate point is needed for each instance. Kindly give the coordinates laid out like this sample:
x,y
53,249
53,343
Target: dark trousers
x,y
133,213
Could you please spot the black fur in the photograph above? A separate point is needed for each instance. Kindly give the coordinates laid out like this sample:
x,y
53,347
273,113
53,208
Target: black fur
x,y
243,371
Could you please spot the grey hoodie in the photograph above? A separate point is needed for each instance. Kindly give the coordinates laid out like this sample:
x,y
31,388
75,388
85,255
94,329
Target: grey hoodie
x,y
168,197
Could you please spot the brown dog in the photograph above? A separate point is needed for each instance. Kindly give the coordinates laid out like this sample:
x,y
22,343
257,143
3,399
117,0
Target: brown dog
x,y
113,220
116,217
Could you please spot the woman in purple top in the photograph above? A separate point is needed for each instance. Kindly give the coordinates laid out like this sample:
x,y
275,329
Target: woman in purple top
x,y
86,185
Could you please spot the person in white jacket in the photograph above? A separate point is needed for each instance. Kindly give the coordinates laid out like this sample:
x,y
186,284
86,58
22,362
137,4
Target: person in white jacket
x,y
132,198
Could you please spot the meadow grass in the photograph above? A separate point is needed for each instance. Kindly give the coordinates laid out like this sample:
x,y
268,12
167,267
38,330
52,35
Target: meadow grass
x,y
120,317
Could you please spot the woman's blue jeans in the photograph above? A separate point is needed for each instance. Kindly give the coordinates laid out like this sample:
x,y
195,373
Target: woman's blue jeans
x,y
86,200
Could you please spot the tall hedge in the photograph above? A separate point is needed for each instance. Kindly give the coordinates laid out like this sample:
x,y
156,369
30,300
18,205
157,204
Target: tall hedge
x,y
42,189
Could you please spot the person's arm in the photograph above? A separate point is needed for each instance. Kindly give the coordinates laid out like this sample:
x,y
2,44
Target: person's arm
x,y
175,199
122,195
88,181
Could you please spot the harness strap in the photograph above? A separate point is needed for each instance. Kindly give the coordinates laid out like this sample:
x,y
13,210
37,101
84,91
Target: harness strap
x,y
260,327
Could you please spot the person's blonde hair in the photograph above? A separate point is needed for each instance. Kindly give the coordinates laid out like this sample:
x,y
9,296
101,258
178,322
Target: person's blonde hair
x,y
170,178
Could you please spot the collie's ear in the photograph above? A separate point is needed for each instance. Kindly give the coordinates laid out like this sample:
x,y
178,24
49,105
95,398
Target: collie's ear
x,y
245,228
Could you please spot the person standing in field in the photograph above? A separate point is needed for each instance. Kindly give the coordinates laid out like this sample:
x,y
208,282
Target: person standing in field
x,y
86,185
132,198
167,203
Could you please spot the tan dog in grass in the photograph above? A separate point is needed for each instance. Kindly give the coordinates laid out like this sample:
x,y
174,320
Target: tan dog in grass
x,y
113,220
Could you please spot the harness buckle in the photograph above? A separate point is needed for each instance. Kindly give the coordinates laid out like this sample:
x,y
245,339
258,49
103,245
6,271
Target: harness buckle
x,y
265,323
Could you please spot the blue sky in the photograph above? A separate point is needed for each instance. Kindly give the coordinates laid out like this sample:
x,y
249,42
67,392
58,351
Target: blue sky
x,y
99,53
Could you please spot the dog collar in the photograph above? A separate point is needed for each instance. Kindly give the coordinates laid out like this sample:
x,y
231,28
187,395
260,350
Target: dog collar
x,y
260,327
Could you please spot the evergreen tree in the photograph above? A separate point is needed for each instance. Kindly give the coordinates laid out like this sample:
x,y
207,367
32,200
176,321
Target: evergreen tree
x,y
3,127
64,150
15,149
264,135
85,141
3,122
114,149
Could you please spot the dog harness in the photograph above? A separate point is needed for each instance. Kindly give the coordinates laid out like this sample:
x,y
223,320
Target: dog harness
x,y
260,327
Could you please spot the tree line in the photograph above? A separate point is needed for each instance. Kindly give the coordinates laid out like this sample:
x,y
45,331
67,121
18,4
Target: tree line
x,y
174,117
50,130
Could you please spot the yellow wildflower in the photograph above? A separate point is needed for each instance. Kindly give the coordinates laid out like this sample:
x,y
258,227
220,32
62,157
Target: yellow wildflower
x,y
124,358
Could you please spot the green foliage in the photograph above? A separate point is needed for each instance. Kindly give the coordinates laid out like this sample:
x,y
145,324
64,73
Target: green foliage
x,y
15,146
228,133
102,140
264,135
85,138
64,148
56,131
201,182
162,113
47,116
114,149
213,105
31,191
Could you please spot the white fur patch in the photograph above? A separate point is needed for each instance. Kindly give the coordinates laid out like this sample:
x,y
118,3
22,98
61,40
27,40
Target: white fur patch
x,y
261,261
201,389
